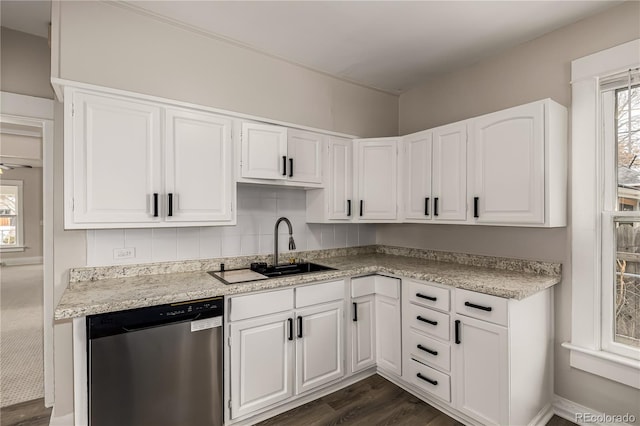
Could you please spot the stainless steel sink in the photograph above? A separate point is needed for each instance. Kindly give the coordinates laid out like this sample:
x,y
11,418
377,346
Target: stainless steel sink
x,y
290,269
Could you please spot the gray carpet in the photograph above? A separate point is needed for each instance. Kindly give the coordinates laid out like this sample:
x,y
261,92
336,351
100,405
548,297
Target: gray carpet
x,y
21,359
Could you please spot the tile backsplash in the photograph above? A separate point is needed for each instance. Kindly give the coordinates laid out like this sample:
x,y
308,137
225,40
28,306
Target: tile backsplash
x,y
258,209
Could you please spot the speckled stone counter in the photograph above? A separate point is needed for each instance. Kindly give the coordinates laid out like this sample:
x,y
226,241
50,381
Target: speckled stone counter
x,y
107,289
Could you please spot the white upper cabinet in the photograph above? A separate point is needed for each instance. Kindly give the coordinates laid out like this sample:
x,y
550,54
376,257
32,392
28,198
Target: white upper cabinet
x,y
289,156
202,142
519,162
417,176
335,201
450,172
125,169
264,151
304,150
377,179
113,152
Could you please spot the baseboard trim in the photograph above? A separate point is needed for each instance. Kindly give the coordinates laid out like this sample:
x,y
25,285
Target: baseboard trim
x,y
582,415
65,420
543,417
21,261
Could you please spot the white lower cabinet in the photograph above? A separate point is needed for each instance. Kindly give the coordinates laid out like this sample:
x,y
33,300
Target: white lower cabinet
x,y
376,324
282,344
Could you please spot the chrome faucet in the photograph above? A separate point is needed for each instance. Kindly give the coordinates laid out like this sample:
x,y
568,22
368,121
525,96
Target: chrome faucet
x,y
292,244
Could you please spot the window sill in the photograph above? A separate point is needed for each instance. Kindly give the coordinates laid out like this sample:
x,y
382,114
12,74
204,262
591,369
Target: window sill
x,y
606,364
11,249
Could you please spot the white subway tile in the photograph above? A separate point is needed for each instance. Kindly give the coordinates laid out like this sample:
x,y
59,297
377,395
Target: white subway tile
x,y
352,234
328,237
188,244
250,244
231,245
314,237
164,244
104,242
210,242
340,234
266,244
367,234
140,240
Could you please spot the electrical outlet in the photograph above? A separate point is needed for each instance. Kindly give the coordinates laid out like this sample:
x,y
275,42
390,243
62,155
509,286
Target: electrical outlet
x,y
124,253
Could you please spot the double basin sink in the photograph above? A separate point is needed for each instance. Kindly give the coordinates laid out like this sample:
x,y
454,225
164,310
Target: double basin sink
x,y
262,271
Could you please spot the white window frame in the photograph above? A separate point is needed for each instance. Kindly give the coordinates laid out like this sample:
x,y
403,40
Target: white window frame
x,y
19,245
588,349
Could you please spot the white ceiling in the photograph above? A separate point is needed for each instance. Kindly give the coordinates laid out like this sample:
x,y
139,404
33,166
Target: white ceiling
x,y
390,45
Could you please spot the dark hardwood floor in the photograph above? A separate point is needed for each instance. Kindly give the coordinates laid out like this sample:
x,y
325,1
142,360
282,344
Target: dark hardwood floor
x,y
30,413
373,401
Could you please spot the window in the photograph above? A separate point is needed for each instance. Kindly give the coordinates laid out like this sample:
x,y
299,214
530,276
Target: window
x,y
620,214
11,215
605,214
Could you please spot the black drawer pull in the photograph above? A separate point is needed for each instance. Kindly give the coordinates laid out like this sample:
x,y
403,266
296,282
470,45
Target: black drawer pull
x,y
426,206
155,204
428,321
432,352
299,327
284,165
457,332
482,308
290,321
355,312
435,206
170,196
424,296
348,207
290,167
361,207
475,207
426,379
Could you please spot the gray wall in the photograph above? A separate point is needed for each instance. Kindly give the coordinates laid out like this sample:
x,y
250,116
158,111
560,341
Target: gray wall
x,y
32,206
535,70
24,64
107,45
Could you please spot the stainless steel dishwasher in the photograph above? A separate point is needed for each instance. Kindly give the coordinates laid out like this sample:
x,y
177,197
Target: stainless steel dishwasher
x,y
157,366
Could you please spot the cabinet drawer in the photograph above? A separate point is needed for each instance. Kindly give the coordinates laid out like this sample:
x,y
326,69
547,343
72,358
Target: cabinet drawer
x,y
255,305
429,321
429,295
429,351
430,380
389,287
319,293
482,306
363,286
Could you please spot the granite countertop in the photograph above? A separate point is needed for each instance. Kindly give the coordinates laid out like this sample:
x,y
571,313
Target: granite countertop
x,y
100,293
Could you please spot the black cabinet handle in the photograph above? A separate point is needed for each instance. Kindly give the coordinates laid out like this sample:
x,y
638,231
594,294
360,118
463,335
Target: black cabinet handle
x,y
457,329
170,195
290,167
299,326
435,206
475,206
426,379
284,165
155,204
424,296
355,312
428,321
432,352
361,207
290,323
348,207
482,308
426,206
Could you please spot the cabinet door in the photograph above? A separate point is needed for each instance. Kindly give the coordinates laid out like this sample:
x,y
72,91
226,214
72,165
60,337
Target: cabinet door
x,y
304,156
319,345
508,155
377,178
264,151
199,183
417,176
363,333
388,334
482,371
261,363
450,172
115,150
340,179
